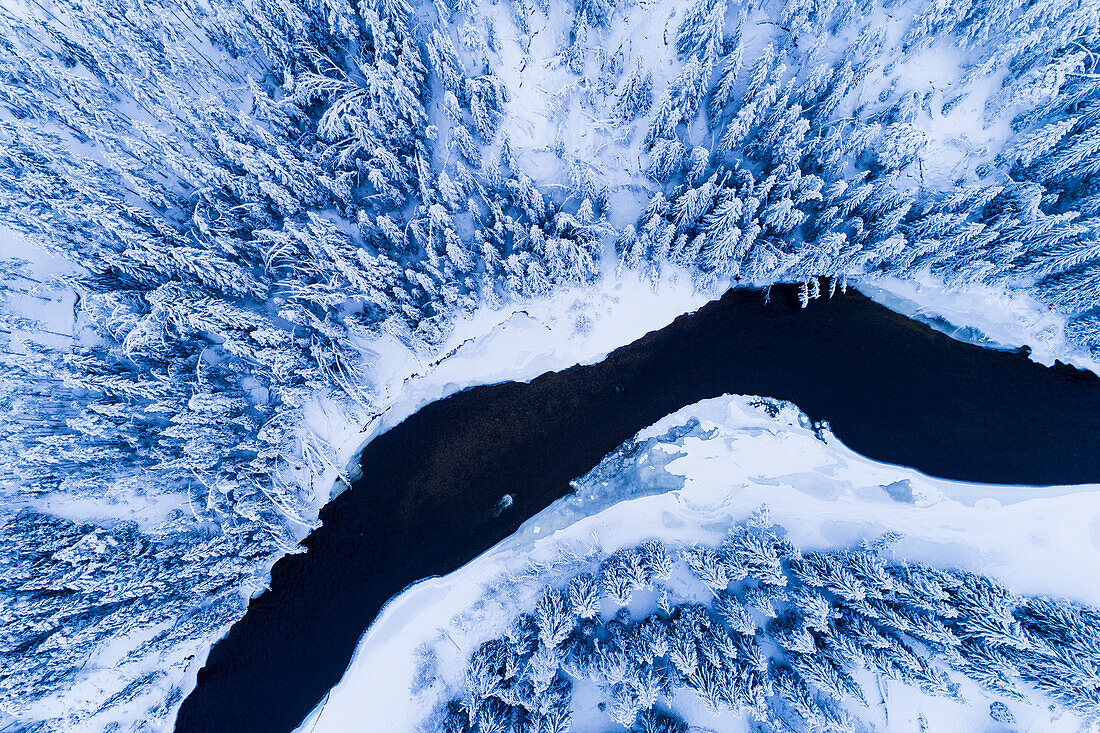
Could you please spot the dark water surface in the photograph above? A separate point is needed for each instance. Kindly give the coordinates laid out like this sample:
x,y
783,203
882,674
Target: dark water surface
x,y
892,389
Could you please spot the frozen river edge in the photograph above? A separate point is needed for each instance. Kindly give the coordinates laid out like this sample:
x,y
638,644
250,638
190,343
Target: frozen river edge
x,y
685,480
892,388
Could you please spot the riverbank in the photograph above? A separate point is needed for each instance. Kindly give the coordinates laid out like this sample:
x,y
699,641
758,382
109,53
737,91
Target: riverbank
x,y
685,481
892,389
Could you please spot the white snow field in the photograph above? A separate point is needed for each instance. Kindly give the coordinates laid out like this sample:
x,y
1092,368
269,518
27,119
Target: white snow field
x,y
205,150
686,480
985,315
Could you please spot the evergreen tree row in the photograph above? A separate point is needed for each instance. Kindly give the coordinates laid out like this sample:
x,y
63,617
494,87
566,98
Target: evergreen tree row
x,y
786,169
781,641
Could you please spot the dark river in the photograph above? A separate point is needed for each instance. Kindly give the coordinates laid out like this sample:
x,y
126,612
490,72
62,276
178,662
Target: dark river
x,y
892,389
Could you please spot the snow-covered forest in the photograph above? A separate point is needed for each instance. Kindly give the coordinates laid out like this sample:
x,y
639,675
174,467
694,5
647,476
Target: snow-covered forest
x,y
792,641
735,568
246,197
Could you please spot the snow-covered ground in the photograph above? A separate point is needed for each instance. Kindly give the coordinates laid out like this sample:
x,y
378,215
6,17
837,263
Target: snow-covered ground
x,y
982,314
517,343
687,479
563,80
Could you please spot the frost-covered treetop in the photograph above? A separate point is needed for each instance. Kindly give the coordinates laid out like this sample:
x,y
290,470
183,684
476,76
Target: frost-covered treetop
x,y
785,639
247,196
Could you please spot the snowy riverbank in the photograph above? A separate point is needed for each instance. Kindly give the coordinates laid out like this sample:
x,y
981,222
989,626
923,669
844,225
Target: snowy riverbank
x,y
985,315
689,485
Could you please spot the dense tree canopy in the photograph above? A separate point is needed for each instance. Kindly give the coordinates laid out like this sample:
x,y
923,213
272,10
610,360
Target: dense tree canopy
x,y
248,193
